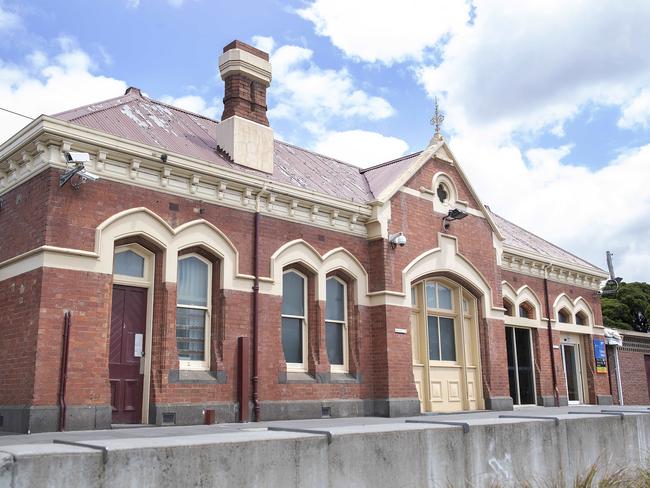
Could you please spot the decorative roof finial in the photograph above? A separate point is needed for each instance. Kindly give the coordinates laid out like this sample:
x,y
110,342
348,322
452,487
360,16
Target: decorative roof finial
x,y
436,121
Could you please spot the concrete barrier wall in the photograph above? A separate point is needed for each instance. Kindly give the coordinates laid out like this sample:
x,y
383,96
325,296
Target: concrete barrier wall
x,y
384,455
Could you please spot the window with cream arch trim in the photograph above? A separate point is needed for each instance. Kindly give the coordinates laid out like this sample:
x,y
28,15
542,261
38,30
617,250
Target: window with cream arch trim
x,y
294,320
336,325
193,311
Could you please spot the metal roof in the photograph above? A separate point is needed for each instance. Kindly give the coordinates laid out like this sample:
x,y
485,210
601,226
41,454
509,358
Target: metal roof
x,y
141,119
381,176
519,238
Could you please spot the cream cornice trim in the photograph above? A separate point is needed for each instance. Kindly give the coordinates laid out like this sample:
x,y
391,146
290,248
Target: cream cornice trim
x,y
554,262
180,175
531,265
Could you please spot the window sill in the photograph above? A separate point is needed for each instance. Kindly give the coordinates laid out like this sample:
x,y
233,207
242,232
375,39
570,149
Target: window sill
x,y
194,377
295,377
288,378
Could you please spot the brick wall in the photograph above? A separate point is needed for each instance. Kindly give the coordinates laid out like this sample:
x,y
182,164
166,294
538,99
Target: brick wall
x,y
19,306
23,218
380,357
634,376
88,297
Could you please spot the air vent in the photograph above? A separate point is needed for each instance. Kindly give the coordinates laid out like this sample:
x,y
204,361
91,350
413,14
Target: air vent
x,y
326,412
2,420
169,418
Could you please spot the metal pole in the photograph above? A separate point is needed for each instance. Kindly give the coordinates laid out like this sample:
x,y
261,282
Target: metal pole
x,y
619,387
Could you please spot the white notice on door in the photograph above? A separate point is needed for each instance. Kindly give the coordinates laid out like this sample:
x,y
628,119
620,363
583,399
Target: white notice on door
x,y
137,348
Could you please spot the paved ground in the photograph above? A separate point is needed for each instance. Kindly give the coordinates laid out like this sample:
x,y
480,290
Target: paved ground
x,y
149,432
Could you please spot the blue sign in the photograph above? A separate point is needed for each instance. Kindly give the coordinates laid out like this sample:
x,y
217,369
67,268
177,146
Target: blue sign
x,y
600,356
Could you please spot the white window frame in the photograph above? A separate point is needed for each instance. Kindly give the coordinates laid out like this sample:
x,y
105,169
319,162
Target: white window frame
x,y
193,364
455,314
298,367
339,368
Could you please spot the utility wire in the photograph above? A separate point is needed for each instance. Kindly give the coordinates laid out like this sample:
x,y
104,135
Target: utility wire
x,y
16,113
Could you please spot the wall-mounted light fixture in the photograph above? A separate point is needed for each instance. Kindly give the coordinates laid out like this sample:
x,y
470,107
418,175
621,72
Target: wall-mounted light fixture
x,y
454,214
78,159
398,239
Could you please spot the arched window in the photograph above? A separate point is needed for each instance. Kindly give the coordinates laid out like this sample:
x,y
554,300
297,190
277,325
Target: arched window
x,y
442,192
128,263
193,311
581,318
527,310
294,320
510,307
563,316
336,324
440,322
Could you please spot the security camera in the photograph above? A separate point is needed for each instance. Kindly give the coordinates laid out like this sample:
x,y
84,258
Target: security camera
x,y
398,239
87,175
77,157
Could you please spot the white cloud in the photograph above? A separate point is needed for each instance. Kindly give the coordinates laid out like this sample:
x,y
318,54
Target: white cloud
x,y
8,20
49,85
385,30
303,90
196,104
360,147
583,210
265,43
533,65
526,68
636,113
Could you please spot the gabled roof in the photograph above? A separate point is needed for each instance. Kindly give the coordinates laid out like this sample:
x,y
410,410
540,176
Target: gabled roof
x,y
383,175
141,119
520,239
153,123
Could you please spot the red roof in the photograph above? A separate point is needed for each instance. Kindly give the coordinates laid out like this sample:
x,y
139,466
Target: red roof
x,y
141,119
524,240
381,176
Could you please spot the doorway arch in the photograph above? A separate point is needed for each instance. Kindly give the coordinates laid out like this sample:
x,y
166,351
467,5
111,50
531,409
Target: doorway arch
x,y
445,345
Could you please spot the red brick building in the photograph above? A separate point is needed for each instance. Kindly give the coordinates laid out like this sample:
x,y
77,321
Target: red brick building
x,y
214,273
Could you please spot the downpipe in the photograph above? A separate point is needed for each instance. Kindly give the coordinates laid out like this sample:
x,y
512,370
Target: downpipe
x,y
63,377
556,393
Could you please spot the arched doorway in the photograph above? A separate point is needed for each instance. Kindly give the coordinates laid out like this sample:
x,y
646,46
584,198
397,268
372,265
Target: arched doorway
x,y
130,333
445,346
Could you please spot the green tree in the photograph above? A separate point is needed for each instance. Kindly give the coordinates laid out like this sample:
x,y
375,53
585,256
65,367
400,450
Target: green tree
x,y
619,309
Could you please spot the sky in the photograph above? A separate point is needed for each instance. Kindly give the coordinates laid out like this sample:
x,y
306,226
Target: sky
x,y
546,103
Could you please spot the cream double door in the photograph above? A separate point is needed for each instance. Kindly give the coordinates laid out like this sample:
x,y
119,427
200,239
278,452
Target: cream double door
x,y
444,335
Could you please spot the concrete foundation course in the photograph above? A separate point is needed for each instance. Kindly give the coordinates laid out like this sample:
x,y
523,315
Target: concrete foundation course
x,y
471,450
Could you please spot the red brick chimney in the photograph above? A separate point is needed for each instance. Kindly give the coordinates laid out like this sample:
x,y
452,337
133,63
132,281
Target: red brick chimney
x,y
245,93
244,132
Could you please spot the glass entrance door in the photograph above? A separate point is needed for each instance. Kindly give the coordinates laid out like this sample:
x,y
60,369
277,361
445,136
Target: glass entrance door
x,y
572,372
521,371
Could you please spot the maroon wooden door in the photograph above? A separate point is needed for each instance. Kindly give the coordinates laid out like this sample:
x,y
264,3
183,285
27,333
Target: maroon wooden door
x,y
128,319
